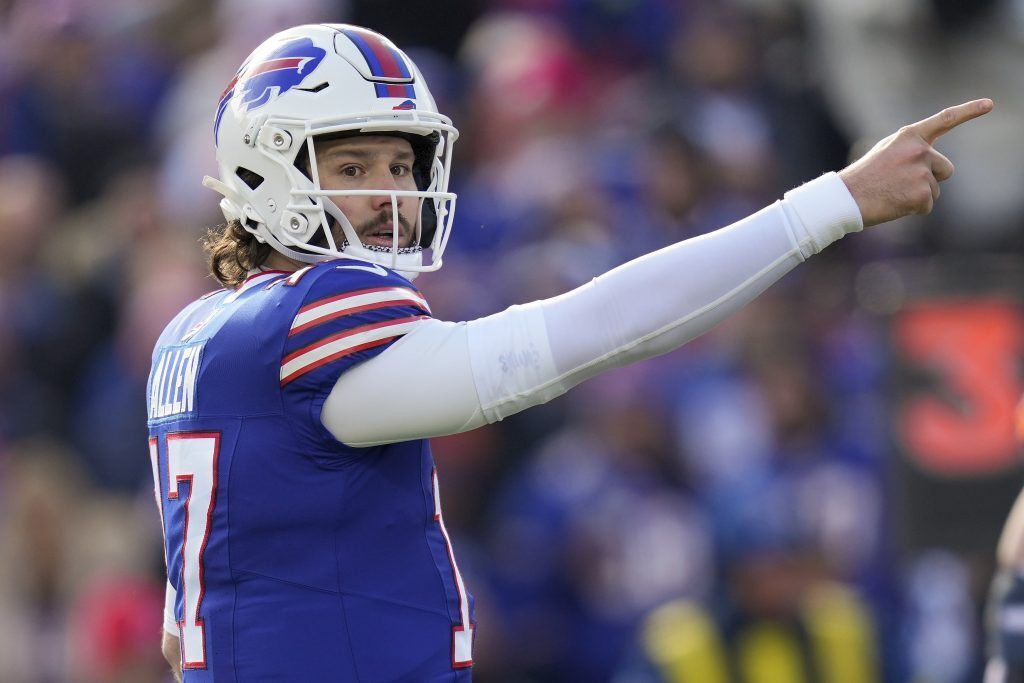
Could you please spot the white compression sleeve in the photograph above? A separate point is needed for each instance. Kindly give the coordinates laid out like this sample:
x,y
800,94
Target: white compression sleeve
x,y
445,378
170,623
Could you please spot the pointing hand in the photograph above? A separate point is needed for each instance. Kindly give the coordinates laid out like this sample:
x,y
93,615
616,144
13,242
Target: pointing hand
x,y
900,175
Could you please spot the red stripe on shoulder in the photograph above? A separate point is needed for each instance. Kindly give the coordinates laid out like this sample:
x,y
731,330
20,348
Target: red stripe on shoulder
x,y
343,344
340,297
335,356
350,303
348,333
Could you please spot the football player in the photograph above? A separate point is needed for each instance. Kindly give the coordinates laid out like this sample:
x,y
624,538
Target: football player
x,y
289,412
1004,613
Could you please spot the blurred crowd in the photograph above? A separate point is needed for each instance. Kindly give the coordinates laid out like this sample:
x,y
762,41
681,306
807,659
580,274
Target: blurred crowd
x,y
745,509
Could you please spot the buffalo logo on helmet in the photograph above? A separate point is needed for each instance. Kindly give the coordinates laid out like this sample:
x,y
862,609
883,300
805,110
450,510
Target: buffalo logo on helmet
x,y
266,77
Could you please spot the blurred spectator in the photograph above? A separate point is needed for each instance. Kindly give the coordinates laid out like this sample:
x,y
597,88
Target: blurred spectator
x,y
616,35
590,535
79,598
796,529
161,275
941,637
70,57
788,624
37,347
40,499
713,63
417,25
184,130
114,621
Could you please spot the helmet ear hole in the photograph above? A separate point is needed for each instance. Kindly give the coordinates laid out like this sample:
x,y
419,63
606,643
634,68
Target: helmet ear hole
x,y
250,178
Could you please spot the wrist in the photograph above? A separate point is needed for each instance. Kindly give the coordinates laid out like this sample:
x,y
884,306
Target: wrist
x,y
824,210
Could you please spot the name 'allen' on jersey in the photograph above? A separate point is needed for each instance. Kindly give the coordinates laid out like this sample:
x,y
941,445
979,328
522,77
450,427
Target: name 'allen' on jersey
x,y
172,388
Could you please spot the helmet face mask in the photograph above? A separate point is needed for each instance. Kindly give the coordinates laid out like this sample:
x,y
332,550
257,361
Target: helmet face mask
x,y
319,82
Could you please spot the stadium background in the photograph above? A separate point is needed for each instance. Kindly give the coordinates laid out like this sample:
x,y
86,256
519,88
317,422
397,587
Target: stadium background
x,y
853,427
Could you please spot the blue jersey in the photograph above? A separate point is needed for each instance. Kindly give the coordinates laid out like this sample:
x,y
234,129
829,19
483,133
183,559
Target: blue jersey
x,y
294,556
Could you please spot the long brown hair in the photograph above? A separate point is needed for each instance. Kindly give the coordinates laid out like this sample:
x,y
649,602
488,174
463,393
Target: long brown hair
x,y
232,251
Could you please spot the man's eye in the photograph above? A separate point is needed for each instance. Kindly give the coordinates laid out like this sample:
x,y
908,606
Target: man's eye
x,y
350,171
400,170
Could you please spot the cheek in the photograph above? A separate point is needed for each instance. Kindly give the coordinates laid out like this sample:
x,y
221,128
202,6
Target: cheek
x,y
353,207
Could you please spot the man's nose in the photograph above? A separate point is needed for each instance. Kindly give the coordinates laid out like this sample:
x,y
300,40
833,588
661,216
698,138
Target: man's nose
x,y
385,180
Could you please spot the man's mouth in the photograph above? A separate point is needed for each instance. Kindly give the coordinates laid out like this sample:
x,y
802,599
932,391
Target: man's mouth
x,y
383,235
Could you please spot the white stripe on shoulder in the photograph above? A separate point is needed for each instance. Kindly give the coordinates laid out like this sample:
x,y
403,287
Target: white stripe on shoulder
x,y
339,345
354,302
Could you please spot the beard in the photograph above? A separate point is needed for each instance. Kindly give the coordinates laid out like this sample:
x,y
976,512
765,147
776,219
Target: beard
x,y
368,228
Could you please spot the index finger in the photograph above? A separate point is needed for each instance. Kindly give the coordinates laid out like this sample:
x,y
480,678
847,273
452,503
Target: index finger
x,y
937,125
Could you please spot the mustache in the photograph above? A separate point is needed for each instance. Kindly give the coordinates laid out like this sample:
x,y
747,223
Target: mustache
x,y
380,220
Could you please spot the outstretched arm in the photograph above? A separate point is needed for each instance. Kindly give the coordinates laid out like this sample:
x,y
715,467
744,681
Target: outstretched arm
x,y
455,377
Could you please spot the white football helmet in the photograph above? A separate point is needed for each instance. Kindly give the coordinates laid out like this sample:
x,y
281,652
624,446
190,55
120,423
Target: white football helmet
x,y
319,80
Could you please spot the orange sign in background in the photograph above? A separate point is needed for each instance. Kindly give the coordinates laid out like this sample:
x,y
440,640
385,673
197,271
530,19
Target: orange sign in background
x,y
961,420
958,463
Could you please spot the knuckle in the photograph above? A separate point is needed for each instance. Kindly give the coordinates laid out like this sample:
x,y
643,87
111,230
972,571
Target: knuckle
x,y
914,152
918,198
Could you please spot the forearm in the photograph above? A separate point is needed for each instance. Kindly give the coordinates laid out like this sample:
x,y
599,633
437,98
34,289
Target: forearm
x,y
455,377
169,635
662,300
172,653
